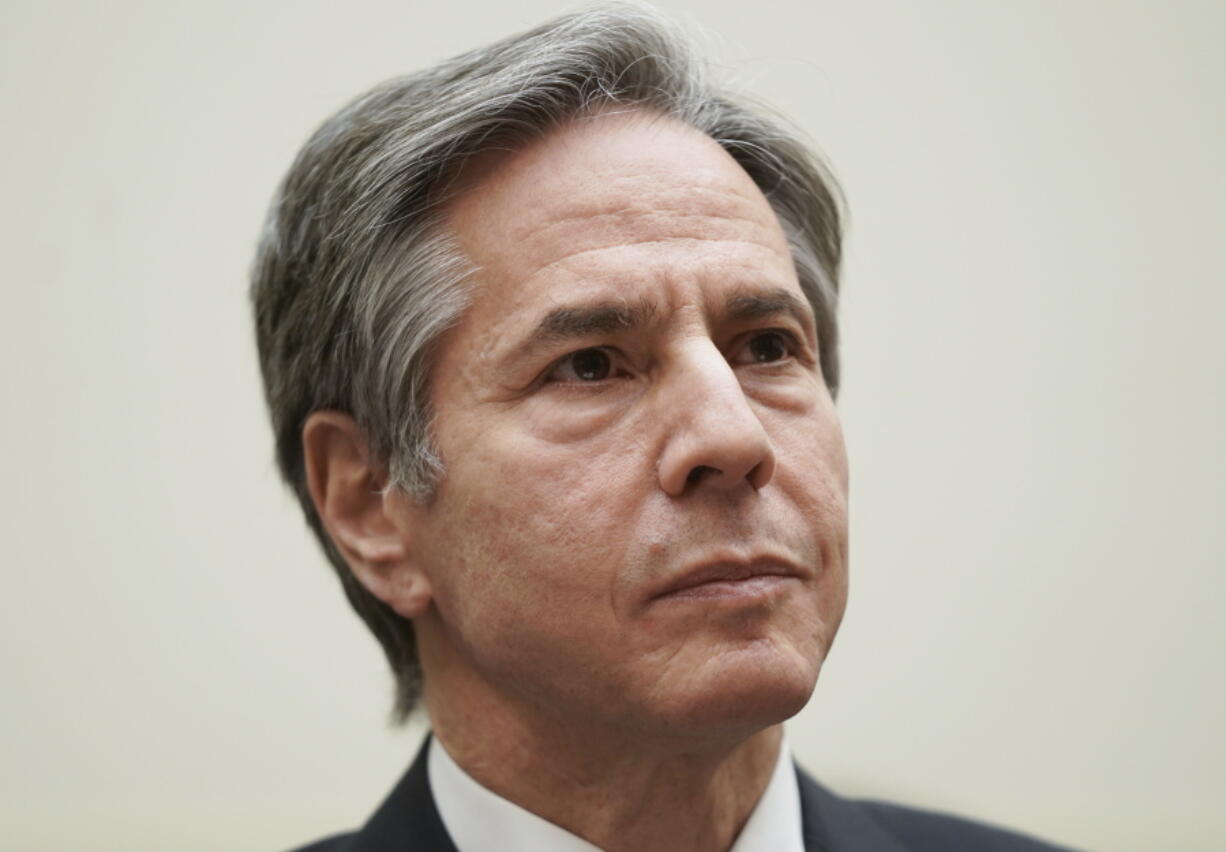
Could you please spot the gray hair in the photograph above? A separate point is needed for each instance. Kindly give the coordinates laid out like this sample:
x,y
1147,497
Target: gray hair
x,y
356,276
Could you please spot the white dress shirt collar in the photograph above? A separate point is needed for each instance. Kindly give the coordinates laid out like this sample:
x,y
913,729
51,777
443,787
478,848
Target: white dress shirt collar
x,y
479,820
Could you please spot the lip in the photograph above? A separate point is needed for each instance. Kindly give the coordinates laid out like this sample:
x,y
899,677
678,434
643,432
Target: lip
x,y
729,578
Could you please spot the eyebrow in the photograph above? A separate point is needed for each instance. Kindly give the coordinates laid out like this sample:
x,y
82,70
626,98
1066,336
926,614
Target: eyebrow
x,y
566,323
745,306
574,322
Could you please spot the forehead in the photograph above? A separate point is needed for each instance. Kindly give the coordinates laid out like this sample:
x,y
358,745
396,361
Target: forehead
x,y
634,203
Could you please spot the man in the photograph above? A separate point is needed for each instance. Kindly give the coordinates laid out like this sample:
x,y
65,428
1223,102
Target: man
x,y
548,334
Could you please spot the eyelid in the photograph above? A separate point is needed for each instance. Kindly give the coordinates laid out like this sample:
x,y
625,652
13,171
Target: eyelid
x,y
793,342
616,358
797,349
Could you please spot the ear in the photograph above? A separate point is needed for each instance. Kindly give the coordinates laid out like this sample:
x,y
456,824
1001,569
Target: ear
x,y
348,493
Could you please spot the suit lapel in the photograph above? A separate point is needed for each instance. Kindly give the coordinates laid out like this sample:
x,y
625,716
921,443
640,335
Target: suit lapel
x,y
832,824
408,820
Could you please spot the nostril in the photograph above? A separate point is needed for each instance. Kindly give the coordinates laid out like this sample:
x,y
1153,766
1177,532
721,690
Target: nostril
x,y
699,473
762,473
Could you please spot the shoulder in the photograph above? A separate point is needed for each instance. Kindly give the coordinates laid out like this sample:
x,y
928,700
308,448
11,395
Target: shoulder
x,y
869,824
923,830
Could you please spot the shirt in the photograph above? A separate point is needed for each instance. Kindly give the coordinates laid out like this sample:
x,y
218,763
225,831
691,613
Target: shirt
x,y
480,820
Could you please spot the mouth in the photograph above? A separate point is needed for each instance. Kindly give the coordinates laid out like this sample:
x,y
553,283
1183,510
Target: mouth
x,y
736,579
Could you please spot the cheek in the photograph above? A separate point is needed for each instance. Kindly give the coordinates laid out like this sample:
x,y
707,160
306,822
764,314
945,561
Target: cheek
x,y
811,458
527,538
559,418
550,496
812,473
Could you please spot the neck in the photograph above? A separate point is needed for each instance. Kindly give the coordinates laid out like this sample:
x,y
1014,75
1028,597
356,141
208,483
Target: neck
x,y
617,789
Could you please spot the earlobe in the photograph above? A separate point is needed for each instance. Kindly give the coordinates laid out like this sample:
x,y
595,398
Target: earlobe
x,y
349,495
413,596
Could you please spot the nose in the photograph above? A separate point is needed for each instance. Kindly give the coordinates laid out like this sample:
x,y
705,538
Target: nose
x,y
715,439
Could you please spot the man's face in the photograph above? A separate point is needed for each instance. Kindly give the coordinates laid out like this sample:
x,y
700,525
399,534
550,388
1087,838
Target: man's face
x,y
633,405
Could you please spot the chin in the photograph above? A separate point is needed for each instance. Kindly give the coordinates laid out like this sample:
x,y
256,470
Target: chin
x,y
740,691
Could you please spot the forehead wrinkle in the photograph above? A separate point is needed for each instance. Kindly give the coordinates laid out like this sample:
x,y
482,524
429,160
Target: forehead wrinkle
x,y
611,227
580,228
624,244
655,210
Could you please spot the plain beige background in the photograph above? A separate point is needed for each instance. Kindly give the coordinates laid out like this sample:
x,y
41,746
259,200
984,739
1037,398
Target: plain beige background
x,y
1034,399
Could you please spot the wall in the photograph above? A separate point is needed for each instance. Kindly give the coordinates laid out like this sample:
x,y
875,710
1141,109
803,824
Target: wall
x,y
1033,398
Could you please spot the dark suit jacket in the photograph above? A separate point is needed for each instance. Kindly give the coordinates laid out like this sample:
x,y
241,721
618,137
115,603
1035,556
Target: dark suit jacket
x,y
409,822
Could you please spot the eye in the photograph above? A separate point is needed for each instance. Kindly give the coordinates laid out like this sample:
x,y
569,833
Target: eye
x,y
586,365
766,347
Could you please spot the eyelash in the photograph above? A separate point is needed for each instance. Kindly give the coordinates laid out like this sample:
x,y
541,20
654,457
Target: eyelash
x,y
609,352
791,343
790,340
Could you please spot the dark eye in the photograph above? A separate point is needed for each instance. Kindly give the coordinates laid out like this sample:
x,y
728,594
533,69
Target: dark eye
x,y
586,365
768,346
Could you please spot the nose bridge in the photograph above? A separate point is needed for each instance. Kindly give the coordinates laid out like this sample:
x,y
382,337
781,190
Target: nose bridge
x,y
714,438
